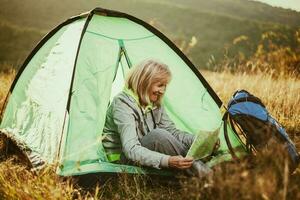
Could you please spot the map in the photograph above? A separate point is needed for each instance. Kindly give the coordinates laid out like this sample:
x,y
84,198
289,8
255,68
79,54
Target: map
x,y
203,144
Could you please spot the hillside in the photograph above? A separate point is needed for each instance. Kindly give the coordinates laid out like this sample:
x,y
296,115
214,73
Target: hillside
x,y
45,14
16,42
214,24
244,9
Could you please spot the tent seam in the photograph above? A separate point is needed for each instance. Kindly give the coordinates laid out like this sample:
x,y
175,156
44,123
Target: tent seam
x,y
113,38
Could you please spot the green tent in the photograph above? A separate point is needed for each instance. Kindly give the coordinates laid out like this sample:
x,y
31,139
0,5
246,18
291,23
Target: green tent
x,y
57,104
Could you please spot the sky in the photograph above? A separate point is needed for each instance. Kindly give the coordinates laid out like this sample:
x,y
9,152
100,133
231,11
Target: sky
x,y
293,4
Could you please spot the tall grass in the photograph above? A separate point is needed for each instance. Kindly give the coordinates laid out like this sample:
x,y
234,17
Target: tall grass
x,y
6,79
266,177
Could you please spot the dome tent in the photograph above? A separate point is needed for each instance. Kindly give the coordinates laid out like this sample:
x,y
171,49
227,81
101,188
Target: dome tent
x,y
57,104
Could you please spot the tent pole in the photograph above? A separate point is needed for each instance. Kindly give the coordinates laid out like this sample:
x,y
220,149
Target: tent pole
x,y
89,17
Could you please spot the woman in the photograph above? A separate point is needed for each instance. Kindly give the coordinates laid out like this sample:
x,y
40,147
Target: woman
x,y
138,126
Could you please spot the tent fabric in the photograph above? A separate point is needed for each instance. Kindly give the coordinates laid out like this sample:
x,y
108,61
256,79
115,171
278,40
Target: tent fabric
x,y
58,103
34,114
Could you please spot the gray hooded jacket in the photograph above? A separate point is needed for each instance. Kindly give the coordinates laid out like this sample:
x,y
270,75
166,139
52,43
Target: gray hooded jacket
x,y
126,123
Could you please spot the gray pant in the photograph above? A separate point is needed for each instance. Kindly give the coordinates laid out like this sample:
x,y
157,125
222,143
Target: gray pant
x,y
164,142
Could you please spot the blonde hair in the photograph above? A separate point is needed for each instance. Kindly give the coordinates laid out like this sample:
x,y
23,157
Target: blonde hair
x,y
141,78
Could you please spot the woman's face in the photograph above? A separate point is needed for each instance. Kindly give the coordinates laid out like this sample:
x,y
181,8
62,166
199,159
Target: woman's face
x,y
157,90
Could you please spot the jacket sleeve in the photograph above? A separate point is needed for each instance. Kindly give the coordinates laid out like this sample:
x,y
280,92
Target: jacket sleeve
x,y
167,124
124,119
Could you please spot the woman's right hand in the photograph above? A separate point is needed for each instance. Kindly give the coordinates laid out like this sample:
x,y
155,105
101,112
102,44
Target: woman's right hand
x,y
180,162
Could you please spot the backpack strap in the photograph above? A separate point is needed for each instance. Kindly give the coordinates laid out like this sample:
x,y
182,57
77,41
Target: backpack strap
x,y
251,98
231,150
239,91
249,146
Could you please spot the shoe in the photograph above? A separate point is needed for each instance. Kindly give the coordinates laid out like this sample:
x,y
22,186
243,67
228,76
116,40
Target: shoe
x,y
200,169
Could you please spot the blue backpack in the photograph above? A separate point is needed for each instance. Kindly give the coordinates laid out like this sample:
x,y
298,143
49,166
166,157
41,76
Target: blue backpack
x,y
256,125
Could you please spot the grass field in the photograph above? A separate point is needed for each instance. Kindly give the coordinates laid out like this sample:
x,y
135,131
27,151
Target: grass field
x,y
265,177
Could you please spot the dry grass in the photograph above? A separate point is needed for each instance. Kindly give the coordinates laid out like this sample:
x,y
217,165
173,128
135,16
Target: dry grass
x,y
5,82
16,182
266,177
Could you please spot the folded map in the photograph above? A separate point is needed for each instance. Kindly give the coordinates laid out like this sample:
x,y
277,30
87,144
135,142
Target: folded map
x,y
203,144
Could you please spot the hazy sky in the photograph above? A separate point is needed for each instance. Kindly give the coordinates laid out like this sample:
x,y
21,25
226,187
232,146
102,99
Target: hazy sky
x,y
293,4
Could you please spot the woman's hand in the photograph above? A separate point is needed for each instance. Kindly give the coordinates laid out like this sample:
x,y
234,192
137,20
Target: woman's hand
x,y
180,162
